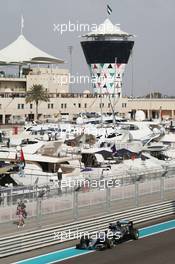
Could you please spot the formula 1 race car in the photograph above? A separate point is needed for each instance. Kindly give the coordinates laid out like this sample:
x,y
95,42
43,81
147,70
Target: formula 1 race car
x,y
98,242
118,232
123,230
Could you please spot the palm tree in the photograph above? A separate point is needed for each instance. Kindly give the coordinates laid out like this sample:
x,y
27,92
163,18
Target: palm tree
x,y
35,94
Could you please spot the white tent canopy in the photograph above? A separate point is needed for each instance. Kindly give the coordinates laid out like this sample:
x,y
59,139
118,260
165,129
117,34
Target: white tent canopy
x,y
107,28
22,51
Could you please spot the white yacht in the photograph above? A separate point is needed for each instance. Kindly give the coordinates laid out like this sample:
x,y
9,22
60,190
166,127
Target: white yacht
x,y
41,162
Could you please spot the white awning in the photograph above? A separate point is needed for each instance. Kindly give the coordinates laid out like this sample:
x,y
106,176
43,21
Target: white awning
x,y
22,51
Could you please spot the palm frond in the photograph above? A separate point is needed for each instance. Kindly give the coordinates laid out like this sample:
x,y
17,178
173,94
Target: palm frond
x,y
37,93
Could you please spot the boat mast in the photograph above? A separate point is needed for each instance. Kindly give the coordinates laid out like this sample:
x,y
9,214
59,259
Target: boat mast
x,y
101,112
114,94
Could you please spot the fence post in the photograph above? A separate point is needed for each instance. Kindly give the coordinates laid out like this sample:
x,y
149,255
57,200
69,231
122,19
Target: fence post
x,y
38,211
136,193
11,197
33,193
162,185
11,203
75,205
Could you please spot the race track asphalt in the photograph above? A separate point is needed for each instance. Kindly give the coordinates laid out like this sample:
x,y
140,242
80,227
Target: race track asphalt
x,y
157,249
149,250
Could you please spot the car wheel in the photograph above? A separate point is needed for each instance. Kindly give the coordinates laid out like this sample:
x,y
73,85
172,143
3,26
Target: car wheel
x,y
135,234
111,244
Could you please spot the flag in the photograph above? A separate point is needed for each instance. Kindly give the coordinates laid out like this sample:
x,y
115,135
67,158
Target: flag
x,y
109,10
22,155
22,159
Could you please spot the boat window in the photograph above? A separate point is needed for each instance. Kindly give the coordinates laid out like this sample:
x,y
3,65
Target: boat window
x,y
47,167
42,133
34,132
111,135
29,129
133,127
28,142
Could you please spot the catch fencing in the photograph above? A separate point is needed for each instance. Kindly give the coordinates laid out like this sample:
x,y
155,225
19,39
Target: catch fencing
x,y
82,202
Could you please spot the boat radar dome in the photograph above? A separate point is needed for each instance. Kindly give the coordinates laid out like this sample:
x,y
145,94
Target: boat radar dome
x,y
79,121
86,92
140,115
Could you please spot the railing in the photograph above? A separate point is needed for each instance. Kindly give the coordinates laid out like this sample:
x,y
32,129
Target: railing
x,y
56,95
131,192
10,195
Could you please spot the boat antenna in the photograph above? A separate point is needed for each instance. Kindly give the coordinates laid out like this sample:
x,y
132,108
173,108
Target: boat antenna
x,y
22,24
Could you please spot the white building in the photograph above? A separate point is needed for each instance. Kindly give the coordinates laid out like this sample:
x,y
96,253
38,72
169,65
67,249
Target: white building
x,y
24,55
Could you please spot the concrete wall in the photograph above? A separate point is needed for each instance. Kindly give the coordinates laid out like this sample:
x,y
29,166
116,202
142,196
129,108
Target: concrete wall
x,y
154,108
54,80
59,104
13,92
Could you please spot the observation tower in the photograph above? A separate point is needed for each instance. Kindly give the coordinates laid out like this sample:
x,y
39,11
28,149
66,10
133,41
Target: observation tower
x,y
107,50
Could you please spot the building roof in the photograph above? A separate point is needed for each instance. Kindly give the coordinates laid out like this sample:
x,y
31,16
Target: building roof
x,y
108,29
22,51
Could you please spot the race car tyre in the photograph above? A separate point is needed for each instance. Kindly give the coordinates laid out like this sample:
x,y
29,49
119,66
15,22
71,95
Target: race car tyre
x,y
78,246
100,247
111,244
135,234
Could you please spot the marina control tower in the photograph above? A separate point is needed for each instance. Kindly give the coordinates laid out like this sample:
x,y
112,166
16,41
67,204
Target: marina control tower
x,y
107,50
